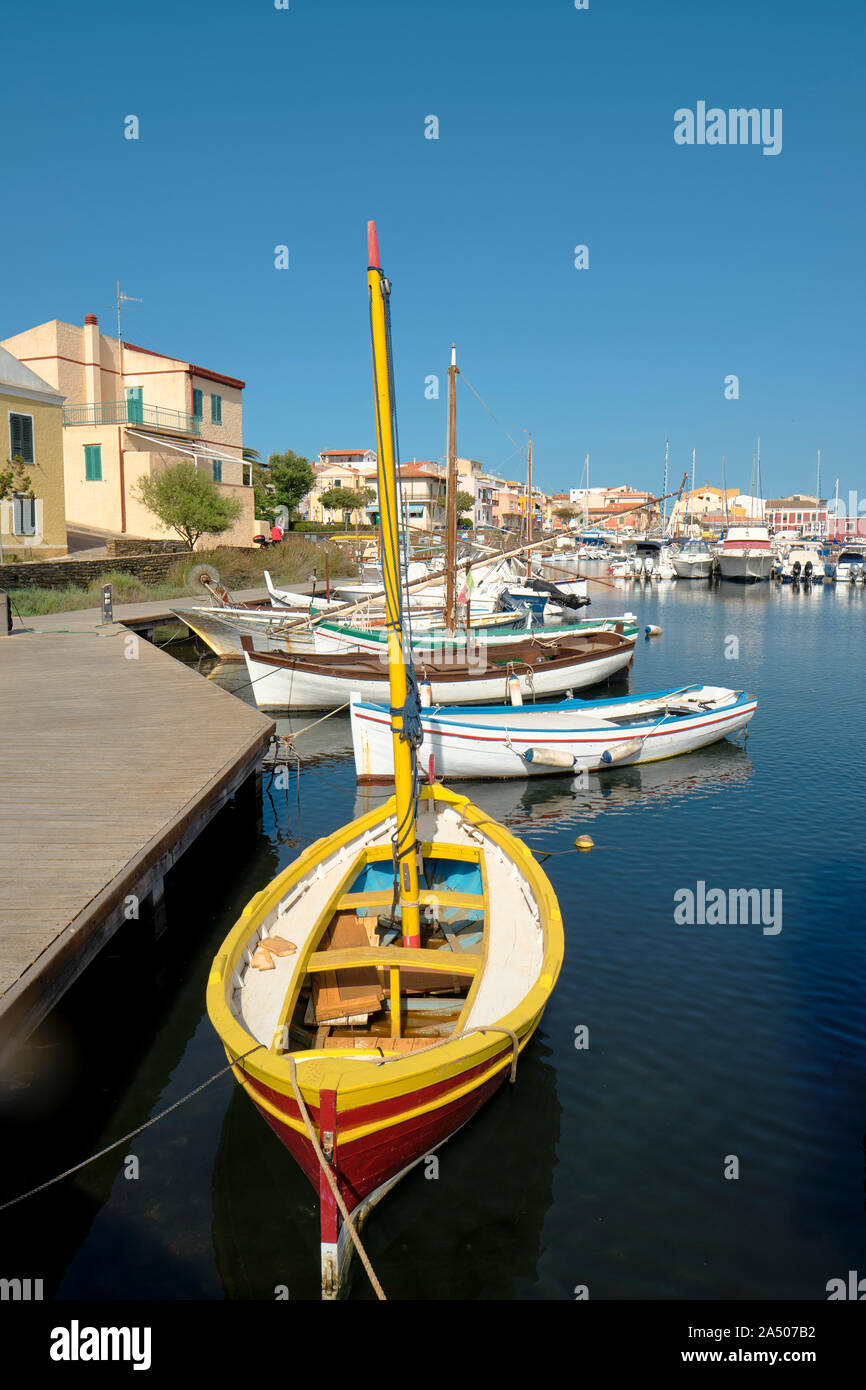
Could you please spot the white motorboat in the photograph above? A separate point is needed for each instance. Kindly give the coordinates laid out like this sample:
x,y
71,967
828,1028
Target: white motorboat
x,y
851,566
570,736
800,564
694,560
746,554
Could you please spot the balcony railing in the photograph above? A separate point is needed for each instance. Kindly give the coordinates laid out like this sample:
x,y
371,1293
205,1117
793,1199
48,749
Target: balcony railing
x,y
157,417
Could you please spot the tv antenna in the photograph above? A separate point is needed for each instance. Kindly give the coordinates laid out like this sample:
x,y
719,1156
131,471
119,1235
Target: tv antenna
x,y
118,305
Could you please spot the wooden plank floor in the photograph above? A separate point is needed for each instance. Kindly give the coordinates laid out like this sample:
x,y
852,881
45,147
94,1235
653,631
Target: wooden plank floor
x,y
106,760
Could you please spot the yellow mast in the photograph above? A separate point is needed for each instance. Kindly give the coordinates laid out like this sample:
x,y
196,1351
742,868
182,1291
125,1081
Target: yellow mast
x,y
389,517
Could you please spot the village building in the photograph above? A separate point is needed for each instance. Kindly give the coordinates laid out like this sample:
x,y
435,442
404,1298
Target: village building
x,y
802,514
129,413
32,522
423,488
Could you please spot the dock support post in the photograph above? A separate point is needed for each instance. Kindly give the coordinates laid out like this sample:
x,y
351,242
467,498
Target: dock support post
x,y
158,913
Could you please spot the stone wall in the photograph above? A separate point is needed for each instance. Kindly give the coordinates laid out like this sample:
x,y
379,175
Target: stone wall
x,y
57,574
132,545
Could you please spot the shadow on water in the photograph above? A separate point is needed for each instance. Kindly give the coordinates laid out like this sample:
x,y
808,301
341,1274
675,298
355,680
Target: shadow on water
x,y
103,1062
473,1231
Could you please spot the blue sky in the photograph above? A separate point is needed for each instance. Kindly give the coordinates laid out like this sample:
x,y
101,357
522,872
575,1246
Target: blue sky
x,y
262,127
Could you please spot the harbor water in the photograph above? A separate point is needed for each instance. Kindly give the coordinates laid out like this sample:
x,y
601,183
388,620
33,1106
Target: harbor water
x,y
690,1119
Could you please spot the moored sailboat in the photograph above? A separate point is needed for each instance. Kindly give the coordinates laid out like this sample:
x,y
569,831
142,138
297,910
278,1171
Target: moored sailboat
x,y
380,990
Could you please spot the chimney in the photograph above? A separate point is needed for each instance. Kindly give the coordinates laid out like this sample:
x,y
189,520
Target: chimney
x,y
92,373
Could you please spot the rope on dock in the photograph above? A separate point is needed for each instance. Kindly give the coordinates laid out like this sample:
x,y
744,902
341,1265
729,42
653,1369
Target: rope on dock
x,y
296,733
131,1135
332,1183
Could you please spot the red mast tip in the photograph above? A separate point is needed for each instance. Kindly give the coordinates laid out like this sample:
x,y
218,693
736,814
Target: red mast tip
x,y
372,246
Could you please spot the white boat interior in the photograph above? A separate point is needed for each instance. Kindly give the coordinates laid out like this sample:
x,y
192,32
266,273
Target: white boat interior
x,y
479,917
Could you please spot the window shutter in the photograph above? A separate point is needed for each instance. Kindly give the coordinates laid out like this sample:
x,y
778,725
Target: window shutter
x,y
93,463
217,470
21,436
216,410
197,404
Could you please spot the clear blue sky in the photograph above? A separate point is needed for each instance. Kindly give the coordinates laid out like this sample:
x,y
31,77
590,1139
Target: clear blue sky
x,y
261,127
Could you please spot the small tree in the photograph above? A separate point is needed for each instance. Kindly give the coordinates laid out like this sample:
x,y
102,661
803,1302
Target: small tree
x,y
346,499
566,514
188,502
14,482
291,477
465,502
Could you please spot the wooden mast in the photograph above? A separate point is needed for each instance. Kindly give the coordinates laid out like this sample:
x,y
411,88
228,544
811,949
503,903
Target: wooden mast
x,y
389,517
529,505
451,500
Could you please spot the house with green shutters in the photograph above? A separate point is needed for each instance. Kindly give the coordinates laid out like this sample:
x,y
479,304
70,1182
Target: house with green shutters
x,y
32,519
130,412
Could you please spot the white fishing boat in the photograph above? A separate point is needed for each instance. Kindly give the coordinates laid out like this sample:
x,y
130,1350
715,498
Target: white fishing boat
x,y
528,670
294,630
694,560
288,598
746,554
570,736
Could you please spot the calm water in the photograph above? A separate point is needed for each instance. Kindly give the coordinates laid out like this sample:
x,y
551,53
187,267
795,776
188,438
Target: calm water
x,y
602,1167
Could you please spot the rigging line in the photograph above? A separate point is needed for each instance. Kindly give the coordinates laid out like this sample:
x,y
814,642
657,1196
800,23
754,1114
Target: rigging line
x,y
147,1124
519,448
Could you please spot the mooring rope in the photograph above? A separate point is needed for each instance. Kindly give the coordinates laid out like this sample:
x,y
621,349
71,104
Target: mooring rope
x,y
131,1135
332,1183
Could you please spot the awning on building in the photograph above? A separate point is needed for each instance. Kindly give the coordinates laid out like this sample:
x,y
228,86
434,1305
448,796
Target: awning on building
x,y
208,452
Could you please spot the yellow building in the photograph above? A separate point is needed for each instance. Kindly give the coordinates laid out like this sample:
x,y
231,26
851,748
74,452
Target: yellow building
x,y
32,523
331,475
131,412
701,504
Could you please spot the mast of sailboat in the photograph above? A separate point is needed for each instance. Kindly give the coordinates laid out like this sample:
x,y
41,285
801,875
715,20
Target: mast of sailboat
x,y
664,490
529,504
399,678
724,493
451,500
818,501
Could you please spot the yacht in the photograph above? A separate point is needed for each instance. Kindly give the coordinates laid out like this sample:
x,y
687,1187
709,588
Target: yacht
x,y
746,554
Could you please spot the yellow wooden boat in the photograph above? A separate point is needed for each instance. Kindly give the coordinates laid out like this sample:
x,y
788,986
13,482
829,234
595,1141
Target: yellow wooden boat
x,y
379,990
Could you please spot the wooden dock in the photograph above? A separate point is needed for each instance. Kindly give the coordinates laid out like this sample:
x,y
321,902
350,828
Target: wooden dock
x,y
113,758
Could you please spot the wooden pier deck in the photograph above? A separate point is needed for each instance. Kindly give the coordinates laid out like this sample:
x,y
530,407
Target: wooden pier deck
x,y
113,758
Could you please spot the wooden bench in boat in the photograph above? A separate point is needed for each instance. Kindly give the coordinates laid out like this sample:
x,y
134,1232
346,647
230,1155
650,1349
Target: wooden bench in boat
x,y
438,961
332,997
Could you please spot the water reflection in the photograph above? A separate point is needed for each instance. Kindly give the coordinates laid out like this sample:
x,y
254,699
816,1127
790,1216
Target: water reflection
x,y
553,803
